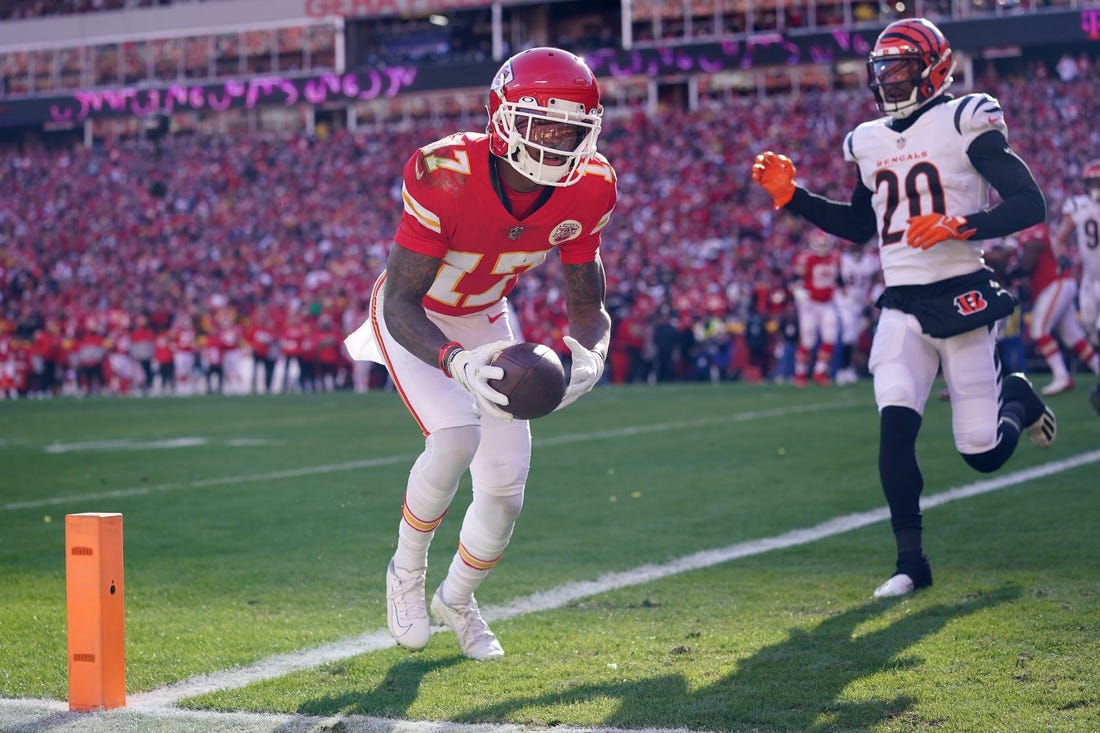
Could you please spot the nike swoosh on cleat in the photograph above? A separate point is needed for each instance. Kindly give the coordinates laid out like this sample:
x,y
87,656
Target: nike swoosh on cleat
x,y
395,622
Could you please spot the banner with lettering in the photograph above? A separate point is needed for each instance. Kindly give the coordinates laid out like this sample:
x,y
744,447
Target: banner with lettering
x,y
764,50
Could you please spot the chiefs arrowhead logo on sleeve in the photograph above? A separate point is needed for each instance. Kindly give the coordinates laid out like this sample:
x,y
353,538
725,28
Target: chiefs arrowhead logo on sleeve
x,y
565,231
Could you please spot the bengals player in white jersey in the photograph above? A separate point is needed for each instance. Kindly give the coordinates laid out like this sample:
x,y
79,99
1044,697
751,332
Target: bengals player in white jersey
x,y
859,272
1081,221
480,210
923,176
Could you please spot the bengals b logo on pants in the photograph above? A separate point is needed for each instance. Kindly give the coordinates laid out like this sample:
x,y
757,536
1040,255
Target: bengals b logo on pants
x,y
970,302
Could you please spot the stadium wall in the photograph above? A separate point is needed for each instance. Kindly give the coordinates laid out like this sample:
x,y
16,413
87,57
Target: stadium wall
x,y
333,90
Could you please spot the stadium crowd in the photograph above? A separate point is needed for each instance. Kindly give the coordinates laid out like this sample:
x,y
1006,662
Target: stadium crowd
x,y
207,264
22,9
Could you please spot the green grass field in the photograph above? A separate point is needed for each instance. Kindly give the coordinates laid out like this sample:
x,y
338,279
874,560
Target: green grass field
x,y
261,526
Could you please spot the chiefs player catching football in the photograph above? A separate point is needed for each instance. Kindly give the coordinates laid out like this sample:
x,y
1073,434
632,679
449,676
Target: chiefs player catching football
x,y
480,210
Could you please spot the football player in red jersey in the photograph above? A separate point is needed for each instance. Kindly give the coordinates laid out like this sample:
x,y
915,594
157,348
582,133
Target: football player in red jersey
x,y
923,173
480,209
1053,309
817,269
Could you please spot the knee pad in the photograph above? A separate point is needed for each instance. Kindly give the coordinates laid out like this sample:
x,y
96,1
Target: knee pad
x,y
497,511
447,454
894,388
501,465
501,475
988,461
975,439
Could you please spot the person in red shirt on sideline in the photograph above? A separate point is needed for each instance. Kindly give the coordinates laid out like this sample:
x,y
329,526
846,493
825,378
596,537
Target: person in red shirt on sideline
x,y
817,269
264,345
290,345
142,350
184,348
9,368
42,354
329,354
1054,308
212,354
91,352
228,332
164,354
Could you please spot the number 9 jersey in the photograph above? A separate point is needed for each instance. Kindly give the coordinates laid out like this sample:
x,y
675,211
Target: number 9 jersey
x,y
457,208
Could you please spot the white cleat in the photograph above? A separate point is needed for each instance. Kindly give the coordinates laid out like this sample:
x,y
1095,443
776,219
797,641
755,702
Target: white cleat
x,y
846,376
474,637
898,585
1042,431
406,615
1058,386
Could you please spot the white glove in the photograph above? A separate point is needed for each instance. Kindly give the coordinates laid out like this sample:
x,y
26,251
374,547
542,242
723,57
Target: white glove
x,y
585,373
470,368
801,294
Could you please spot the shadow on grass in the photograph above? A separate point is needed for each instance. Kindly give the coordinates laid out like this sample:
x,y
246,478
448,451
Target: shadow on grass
x,y
791,685
398,689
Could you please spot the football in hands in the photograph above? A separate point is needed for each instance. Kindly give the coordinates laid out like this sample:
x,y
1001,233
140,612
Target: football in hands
x,y
534,379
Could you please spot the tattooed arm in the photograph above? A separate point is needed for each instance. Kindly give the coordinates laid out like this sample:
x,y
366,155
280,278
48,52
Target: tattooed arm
x,y
408,277
585,290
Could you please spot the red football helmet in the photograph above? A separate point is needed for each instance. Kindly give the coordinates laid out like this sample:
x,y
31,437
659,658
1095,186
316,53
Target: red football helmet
x,y
544,115
1091,174
910,64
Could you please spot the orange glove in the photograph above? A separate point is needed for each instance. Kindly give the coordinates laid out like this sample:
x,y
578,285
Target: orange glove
x,y
775,174
929,230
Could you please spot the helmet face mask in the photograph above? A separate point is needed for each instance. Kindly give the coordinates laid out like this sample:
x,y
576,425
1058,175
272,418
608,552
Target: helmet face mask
x,y
897,78
544,115
1091,174
910,65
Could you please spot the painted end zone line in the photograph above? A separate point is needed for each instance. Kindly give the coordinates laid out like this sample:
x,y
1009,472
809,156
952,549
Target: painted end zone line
x,y
282,664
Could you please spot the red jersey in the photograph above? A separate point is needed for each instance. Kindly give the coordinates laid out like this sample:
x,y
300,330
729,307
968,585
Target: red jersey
x,y
261,339
1046,267
452,211
142,343
163,350
819,273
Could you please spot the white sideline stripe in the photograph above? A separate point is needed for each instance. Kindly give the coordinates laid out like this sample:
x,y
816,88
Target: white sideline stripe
x,y
282,664
54,715
160,703
390,460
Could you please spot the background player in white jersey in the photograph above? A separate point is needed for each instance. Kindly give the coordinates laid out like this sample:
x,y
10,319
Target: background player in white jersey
x,y
480,209
1053,308
1081,220
924,172
816,270
859,270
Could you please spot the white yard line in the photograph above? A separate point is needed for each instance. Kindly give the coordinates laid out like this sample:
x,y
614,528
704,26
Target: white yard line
x,y
390,460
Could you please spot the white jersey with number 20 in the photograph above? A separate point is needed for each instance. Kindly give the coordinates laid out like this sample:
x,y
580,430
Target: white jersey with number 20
x,y
925,170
